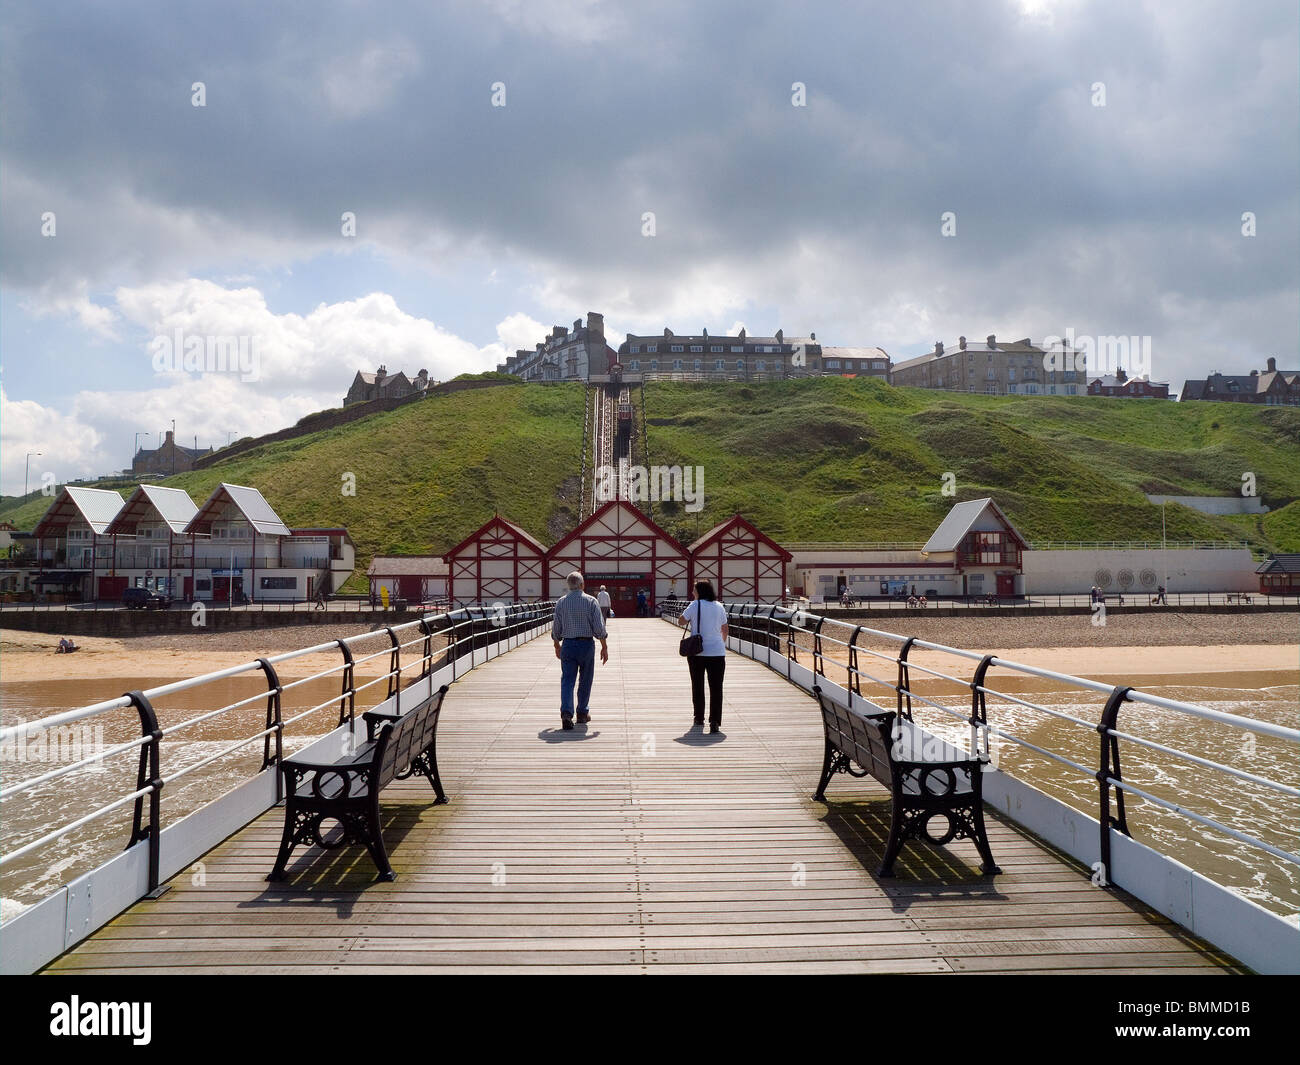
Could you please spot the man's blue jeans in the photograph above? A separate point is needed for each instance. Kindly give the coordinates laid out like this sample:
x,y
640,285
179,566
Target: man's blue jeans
x,y
577,662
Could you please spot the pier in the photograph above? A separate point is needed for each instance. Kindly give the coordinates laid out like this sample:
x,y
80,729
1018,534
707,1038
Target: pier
x,y
635,845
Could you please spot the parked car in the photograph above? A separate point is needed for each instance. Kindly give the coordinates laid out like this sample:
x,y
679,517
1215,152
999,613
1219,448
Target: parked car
x,y
144,599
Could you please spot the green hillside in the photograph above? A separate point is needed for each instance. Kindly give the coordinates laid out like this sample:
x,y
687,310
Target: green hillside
x,y
819,459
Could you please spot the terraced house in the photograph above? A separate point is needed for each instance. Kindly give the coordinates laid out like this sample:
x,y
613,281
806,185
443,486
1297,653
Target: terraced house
x,y
994,368
1272,387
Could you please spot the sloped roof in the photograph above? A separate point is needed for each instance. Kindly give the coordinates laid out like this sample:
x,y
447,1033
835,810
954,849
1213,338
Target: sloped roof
x,y
853,353
1280,564
174,506
959,522
249,502
97,506
639,514
738,520
407,566
510,527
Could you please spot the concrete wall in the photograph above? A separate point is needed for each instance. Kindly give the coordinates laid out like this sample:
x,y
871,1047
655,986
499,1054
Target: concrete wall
x,y
1216,504
1074,572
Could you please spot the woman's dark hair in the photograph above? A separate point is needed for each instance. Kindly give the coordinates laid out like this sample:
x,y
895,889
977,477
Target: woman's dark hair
x,y
704,590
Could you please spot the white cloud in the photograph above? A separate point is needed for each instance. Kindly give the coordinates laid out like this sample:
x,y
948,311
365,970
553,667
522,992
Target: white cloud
x,y
73,303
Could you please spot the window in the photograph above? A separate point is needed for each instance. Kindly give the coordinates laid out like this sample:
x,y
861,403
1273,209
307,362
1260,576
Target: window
x,y
832,364
740,365
761,365
991,375
654,365
738,349
699,365
877,365
1011,373
635,349
1011,390
677,364
716,348
697,347
718,364
1070,390
634,365
970,388
278,583
675,347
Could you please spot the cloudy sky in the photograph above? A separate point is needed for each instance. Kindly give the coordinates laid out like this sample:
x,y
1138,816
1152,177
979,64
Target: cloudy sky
x,y
129,213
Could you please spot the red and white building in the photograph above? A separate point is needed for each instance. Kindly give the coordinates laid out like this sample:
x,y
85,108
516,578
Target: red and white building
x,y
497,563
742,564
623,549
415,578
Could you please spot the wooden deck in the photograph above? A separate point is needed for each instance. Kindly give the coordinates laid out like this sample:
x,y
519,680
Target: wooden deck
x,y
635,845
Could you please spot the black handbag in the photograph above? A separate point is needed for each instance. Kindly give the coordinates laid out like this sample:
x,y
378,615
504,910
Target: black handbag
x,y
691,645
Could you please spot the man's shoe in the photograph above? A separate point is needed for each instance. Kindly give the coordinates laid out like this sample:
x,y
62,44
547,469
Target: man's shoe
x,y
567,725
583,718
715,728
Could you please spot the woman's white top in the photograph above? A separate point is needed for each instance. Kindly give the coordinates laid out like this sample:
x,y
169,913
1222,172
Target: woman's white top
x,y
707,619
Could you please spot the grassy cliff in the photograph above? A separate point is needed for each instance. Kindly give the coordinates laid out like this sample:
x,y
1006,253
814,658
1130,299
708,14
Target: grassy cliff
x,y
820,459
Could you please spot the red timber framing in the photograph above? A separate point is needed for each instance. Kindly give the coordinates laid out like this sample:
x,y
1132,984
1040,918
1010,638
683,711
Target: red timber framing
x,y
743,565
497,563
623,549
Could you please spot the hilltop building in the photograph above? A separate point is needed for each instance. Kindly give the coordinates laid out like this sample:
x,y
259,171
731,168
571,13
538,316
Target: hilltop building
x,y
993,368
745,358
1120,384
170,458
1272,387
383,385
565,355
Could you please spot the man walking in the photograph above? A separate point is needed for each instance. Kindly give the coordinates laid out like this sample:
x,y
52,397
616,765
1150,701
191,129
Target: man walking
x,y
578,624
602,601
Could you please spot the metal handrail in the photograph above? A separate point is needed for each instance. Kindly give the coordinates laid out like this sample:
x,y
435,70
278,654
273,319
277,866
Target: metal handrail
x,y
780,627
507,622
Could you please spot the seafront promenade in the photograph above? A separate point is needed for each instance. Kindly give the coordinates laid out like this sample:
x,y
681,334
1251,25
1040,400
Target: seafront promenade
x,y
636,845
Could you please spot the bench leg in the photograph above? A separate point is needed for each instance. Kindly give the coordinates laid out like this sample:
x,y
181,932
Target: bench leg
x,y
828,770
987,864
297,828
427,764
373,837
895,843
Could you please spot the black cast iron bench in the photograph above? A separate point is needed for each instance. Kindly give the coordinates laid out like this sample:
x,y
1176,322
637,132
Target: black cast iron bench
x,y
347,789
925,777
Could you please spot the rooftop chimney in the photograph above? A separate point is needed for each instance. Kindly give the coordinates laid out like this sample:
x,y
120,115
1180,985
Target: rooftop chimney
x,y
812,336
742,334
780,337
993,340
1272,364
961,343
938,347
595,323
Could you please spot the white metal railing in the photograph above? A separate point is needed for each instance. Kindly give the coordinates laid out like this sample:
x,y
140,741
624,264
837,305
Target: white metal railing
x,y
820,640
457,634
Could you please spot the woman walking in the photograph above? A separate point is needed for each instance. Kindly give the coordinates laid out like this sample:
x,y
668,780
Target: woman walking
x,y
707,618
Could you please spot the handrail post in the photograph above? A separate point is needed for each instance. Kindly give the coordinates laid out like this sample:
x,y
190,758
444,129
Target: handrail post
x,y
854,687
767,634
819,663
454,647
275,720
348,696
905,679
150,775
394,663
1108,770
426,661
979,716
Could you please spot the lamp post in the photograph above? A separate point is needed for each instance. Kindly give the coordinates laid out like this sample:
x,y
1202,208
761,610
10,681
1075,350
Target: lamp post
x,y
27,467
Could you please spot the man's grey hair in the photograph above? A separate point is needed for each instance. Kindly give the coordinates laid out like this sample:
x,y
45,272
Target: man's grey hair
x,y
574,580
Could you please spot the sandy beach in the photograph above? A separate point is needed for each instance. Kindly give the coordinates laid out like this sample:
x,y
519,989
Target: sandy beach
x,y
1146,645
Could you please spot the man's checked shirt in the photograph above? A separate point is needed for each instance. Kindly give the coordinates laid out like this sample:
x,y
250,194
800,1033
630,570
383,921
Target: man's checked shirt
x,y
577,615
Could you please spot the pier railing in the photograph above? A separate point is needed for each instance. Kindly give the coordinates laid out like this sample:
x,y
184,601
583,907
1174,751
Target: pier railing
x,y
804,646
413,657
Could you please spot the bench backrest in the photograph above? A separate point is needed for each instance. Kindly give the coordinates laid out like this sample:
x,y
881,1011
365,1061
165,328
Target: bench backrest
x,y
895,751
402,740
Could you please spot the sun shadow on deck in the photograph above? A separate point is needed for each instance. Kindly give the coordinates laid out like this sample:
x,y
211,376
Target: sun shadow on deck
x,y
339,877
922,870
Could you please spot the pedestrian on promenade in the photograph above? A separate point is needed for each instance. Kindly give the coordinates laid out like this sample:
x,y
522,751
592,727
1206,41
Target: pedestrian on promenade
x,y
602,600
707,618
642,609
578,624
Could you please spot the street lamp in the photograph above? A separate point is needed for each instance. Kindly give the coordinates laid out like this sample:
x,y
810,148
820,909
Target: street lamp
x,y
27,467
